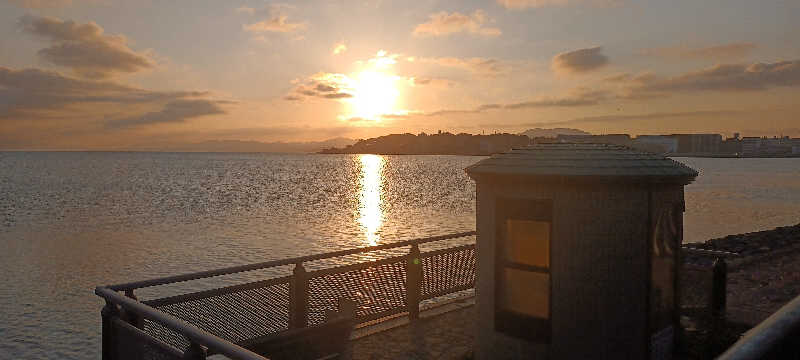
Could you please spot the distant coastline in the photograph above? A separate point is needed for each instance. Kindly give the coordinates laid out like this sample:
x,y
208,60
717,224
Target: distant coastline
x,y
674,145
442,143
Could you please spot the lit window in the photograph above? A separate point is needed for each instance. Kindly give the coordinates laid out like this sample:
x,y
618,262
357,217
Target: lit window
x,y
523,268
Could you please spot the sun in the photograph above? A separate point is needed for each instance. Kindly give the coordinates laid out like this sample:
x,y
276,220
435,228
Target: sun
x,y
375,93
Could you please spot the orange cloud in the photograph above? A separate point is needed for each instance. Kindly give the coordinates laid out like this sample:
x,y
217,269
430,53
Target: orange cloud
x,y
725,51
576,98
444,24
324,86
525,4
481,66
339,48
276,20
41,4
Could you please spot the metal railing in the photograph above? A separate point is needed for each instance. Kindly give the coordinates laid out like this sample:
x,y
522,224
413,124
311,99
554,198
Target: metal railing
x,y
704,276
777,337
193,325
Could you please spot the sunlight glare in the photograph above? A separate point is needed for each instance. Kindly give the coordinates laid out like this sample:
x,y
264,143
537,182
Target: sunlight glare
x,y
370,209
375,94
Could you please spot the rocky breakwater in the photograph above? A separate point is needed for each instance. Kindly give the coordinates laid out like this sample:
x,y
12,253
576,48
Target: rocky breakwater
x,y
765,275
755,246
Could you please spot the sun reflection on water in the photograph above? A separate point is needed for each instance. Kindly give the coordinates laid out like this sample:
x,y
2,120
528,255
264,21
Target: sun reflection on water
x,y
369,199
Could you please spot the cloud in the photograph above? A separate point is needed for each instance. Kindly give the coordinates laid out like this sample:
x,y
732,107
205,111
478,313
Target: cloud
x,y
618,78
579,97
579,61
576,98
41,4
444,24
722,77
32,94
339,48
481,66
525,4
276,20
322,85
84,48
430,81
725,51
176,111
648,116
245,10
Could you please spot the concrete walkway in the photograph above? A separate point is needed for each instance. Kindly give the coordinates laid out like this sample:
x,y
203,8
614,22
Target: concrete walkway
x,y
442,332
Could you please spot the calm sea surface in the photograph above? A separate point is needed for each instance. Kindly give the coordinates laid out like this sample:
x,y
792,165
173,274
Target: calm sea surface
x,y
72,221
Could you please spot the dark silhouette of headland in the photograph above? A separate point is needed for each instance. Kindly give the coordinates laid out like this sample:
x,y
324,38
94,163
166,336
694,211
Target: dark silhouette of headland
x,y
442,143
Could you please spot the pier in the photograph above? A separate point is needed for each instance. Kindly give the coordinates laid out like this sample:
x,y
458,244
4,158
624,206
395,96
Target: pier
x,y
301,310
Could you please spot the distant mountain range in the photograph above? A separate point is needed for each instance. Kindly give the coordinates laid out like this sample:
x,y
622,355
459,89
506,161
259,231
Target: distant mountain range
x,y
552,133
257,146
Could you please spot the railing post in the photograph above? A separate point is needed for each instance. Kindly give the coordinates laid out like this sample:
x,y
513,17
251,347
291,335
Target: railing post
x,y
298,312
719,278
413,282
131,317
195,351
719,288
108,314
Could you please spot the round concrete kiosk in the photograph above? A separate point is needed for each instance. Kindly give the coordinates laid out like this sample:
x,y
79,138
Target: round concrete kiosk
x,y
578,246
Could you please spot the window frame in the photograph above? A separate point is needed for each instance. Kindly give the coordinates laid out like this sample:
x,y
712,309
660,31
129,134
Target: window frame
x,y
527,327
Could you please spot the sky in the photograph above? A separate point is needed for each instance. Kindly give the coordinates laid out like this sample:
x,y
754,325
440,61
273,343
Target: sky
x,y
113,74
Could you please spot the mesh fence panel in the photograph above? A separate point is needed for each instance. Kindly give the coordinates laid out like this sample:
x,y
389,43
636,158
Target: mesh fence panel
x,y
233,316
378,289
447,271
696,282
165,335
133,344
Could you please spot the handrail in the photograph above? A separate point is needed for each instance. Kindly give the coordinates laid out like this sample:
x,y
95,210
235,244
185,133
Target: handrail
x,y
768,336
193,333
282,262
706,252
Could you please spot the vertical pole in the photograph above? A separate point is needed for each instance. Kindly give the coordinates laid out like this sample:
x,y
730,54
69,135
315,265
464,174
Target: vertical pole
x,y
719,288
131,317
298,313
195,351
716,343
413,282
108,314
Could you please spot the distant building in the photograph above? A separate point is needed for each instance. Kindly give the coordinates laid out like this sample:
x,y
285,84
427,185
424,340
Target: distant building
x,y
731,146
796,146
751,145
776,146
615,139
698,143
656,143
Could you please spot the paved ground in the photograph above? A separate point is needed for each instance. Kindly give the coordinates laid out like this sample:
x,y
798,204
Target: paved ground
x,y
435,335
